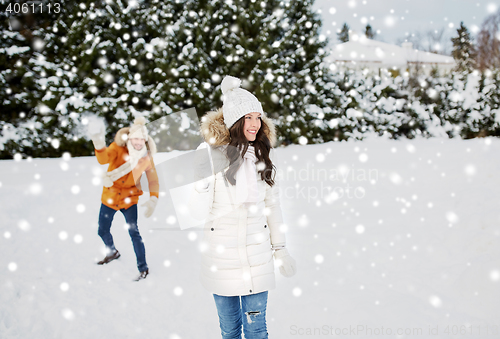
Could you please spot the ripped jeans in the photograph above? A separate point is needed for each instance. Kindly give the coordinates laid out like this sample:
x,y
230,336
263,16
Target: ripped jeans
x,y
251,312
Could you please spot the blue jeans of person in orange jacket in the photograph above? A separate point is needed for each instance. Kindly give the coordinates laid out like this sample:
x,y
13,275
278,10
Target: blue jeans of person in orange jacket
x,y
251,313
106,215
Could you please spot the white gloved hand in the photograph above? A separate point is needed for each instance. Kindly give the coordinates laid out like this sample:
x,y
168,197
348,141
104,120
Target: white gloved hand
x,y
286,263
201,186
106,180
95,131
150,206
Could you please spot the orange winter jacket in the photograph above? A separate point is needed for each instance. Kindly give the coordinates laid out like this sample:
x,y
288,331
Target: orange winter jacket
x,y
125,191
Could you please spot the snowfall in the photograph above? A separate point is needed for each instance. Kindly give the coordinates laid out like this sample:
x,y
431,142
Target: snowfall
x,y
392,239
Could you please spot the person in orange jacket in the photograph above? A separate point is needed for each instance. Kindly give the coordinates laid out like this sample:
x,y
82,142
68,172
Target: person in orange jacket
x,y
128,157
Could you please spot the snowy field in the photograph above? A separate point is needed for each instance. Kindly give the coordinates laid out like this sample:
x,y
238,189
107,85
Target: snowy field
x,y
413,247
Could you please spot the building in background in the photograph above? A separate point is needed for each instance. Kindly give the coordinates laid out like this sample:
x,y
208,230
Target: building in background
x,y
376,56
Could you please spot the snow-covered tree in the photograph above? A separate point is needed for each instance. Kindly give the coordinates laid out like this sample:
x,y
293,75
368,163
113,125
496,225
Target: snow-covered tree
x,y
343,35
273,46
101,56
481,116
363,104
463,50
121,59
369,32
434,93
21,86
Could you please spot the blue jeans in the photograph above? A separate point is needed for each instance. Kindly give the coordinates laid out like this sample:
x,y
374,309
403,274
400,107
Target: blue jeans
x,y
106,215
252,311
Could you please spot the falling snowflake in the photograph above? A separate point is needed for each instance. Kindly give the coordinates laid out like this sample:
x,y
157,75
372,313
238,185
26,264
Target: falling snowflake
x,y
64,166
24,225
395,178
303,220
171,220
64,286
63,235
319,259
360,229
12,266
435,301
78,238
35,188
192,236
470,170
55,143
410,148
297,292
495,275
452,217
68,314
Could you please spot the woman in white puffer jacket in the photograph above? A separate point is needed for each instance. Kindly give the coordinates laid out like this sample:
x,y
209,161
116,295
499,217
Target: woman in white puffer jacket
x,y
237,194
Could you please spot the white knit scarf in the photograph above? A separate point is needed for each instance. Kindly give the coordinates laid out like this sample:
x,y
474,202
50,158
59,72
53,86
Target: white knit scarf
x,y
132,160
246,179
135,155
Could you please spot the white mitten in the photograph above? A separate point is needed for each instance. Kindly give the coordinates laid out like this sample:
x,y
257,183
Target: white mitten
x,y
106,180
201,186
150,206
285,262
95,131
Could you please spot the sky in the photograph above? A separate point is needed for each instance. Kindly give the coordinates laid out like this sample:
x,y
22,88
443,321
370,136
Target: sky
x,y
396,18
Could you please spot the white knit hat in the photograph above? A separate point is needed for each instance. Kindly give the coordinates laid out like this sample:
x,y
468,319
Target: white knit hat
x,y
237,101
138,129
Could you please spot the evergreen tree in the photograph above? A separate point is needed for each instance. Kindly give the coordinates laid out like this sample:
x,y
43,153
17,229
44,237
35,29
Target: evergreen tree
x,y
369,32
343,35
273,46
102,57
482,117
21,91
463,50
121,59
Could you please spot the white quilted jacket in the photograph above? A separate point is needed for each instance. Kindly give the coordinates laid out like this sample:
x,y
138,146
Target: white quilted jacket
x,y
237,258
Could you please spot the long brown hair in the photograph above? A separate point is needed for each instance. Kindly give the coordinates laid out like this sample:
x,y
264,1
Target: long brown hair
x,y
238,146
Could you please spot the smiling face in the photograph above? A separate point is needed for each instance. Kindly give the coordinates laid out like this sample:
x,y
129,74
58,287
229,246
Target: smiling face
x,y
138,143
252,125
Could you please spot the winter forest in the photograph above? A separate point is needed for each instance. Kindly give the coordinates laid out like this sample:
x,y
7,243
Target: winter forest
x,y
119,59
387,158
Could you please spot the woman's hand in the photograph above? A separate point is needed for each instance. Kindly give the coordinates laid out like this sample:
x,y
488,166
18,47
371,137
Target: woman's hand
x,y
286,263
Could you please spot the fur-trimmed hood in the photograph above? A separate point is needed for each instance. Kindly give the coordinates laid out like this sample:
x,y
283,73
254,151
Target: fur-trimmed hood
x,y
122,136
216,133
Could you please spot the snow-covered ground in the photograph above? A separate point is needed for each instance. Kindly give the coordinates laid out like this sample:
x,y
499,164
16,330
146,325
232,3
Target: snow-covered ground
x,y
414,245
